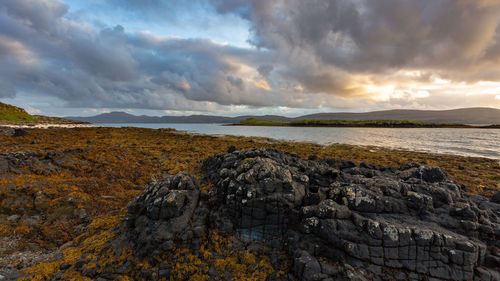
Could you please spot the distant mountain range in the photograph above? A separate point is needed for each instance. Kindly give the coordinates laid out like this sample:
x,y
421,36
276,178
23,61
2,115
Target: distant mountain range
x,y
479,115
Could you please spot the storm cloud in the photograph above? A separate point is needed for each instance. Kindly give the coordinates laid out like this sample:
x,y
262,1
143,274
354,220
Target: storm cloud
x,y
457,40
50,54
301,54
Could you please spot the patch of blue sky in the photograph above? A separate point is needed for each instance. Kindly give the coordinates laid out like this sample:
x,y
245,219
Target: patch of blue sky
x,y
185,19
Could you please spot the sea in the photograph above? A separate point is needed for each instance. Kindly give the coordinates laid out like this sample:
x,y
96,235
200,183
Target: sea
x,y
454,141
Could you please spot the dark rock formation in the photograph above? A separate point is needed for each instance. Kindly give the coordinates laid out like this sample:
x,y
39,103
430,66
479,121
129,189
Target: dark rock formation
x,y
16,132
36,162
411,219
337,220
496,198
7,131
163,215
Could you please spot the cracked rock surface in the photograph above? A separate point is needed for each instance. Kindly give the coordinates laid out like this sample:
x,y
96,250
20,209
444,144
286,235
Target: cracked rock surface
x,y
336,220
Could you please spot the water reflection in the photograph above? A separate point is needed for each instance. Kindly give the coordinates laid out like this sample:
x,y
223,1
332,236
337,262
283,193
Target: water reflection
x,y
467,142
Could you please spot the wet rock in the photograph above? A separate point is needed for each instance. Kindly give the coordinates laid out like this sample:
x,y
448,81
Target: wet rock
x,y
64,266
20,132
79,263
496,198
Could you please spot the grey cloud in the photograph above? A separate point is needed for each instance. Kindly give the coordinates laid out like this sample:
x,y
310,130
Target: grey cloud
x,y
6,90
239,7
265,70
381,36
112,68
310,53
38,14
106,55
237,82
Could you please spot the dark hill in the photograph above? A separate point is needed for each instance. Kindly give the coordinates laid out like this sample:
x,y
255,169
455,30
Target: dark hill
x,y
122,117
480,115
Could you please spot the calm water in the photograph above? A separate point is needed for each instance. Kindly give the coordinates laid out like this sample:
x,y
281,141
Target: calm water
x,y
467,142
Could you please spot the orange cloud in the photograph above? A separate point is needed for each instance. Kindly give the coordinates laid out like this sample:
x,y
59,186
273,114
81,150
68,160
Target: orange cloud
x,y
261,84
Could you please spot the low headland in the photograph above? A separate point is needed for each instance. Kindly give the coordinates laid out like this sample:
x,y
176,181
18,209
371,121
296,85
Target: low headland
x,y
357,123
13,116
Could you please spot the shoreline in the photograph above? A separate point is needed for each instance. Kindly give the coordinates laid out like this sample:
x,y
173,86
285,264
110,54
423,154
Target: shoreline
x,y
41,125
255,138
362,146
20,125
370,126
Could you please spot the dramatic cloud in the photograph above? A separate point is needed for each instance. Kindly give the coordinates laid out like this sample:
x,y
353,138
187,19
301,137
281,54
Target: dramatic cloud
x,y
48,54
302,54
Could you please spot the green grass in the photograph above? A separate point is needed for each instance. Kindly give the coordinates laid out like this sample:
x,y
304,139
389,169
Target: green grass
x,y
347,123
14,114
255,121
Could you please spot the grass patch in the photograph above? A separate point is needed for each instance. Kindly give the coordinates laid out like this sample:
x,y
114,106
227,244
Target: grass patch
x,y
12,113
255,121
351,123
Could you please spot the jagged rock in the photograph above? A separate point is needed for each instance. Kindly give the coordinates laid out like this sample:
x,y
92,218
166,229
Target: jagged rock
x,y
336,220
409,219
307,267
162,214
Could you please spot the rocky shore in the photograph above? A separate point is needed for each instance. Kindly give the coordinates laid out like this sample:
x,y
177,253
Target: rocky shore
x,y
10,127
330,219
252,213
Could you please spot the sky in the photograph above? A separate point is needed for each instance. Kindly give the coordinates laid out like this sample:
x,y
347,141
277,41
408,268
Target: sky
x,y
235,57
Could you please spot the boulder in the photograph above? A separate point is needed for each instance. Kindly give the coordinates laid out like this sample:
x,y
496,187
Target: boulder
x,y
412,219
162,214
